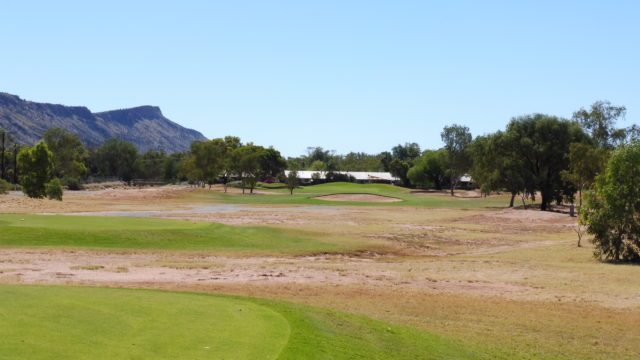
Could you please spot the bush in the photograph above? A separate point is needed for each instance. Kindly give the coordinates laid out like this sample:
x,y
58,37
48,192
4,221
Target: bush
x,y
4,186
35,164
612,208
54,189
72,183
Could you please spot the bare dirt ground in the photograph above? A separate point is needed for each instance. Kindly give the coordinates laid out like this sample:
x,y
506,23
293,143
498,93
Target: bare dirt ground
x,y
97,200
507,276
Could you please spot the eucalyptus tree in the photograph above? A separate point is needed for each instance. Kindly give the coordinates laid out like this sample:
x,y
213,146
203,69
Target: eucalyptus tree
x,y
69,153
600,122
540,143
585,163
457,139
430,169
36,168
612,209
497,165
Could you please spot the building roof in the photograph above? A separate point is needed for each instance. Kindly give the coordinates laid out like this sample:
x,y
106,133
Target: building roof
x,y
358,175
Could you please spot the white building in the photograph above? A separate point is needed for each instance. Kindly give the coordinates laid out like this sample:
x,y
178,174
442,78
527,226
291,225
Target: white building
x,y
308,176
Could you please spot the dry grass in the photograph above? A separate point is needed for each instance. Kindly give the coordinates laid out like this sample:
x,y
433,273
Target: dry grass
x,y
86,267
504,278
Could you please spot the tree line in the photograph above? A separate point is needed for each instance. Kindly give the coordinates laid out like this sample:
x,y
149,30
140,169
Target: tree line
x,y
537,157
61,159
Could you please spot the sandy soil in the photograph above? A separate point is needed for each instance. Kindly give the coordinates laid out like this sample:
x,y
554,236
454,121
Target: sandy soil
x,y
358,198
35,267
96,200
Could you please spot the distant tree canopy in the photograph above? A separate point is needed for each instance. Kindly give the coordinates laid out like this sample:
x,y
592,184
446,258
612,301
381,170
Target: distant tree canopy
x,y
220,160
115,158
407,152
600,122
430,170
69,154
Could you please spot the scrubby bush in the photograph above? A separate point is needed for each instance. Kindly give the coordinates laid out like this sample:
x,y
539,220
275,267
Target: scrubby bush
x,y
72,183
4,186
54,189
36,164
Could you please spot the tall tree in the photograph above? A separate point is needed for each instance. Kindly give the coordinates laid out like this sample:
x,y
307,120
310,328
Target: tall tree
x,y
406,152
430,169
69,154
457,139
6,142
208,159
585,163
612,209
600,122
541,142
230,144
498,165
36,167
246,164
386,158
150,165
171,167
399,169
272,163
116,157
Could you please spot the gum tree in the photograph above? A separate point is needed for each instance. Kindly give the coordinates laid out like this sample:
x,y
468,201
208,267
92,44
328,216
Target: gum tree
x,y
612,210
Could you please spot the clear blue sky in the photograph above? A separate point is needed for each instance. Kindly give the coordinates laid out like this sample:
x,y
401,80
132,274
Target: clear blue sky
x,y
344,75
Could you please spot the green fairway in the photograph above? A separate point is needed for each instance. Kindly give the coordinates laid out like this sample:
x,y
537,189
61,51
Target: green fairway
x,y
157,234
40,322
306,195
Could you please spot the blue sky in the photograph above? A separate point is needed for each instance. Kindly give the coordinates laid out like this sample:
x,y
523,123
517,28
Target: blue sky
x,y
344,75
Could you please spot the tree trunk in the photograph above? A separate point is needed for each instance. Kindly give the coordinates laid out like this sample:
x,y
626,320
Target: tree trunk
x,y
513,198
580,194
15,164
2,165
543,202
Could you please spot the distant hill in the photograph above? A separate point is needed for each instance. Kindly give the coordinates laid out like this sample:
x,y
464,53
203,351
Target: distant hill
x,y
143,126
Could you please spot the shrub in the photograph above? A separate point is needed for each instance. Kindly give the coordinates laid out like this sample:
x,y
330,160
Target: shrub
x,y
54,189
72,183
4,186
612,209
36,164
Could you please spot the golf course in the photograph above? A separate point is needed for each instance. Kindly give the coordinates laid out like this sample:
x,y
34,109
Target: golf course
x,y
204,273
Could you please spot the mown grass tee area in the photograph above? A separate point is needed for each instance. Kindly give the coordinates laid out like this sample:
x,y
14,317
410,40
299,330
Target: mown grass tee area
x,y
97,323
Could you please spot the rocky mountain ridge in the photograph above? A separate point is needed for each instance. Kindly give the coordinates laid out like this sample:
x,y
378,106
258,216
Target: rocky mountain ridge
x,y
144,126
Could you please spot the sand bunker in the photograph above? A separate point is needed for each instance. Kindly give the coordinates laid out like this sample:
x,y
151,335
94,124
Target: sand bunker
x,y
358,198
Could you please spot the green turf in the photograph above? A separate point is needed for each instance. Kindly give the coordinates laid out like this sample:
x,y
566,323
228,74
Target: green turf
x,y
159,234
41,322
94,323
306,195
